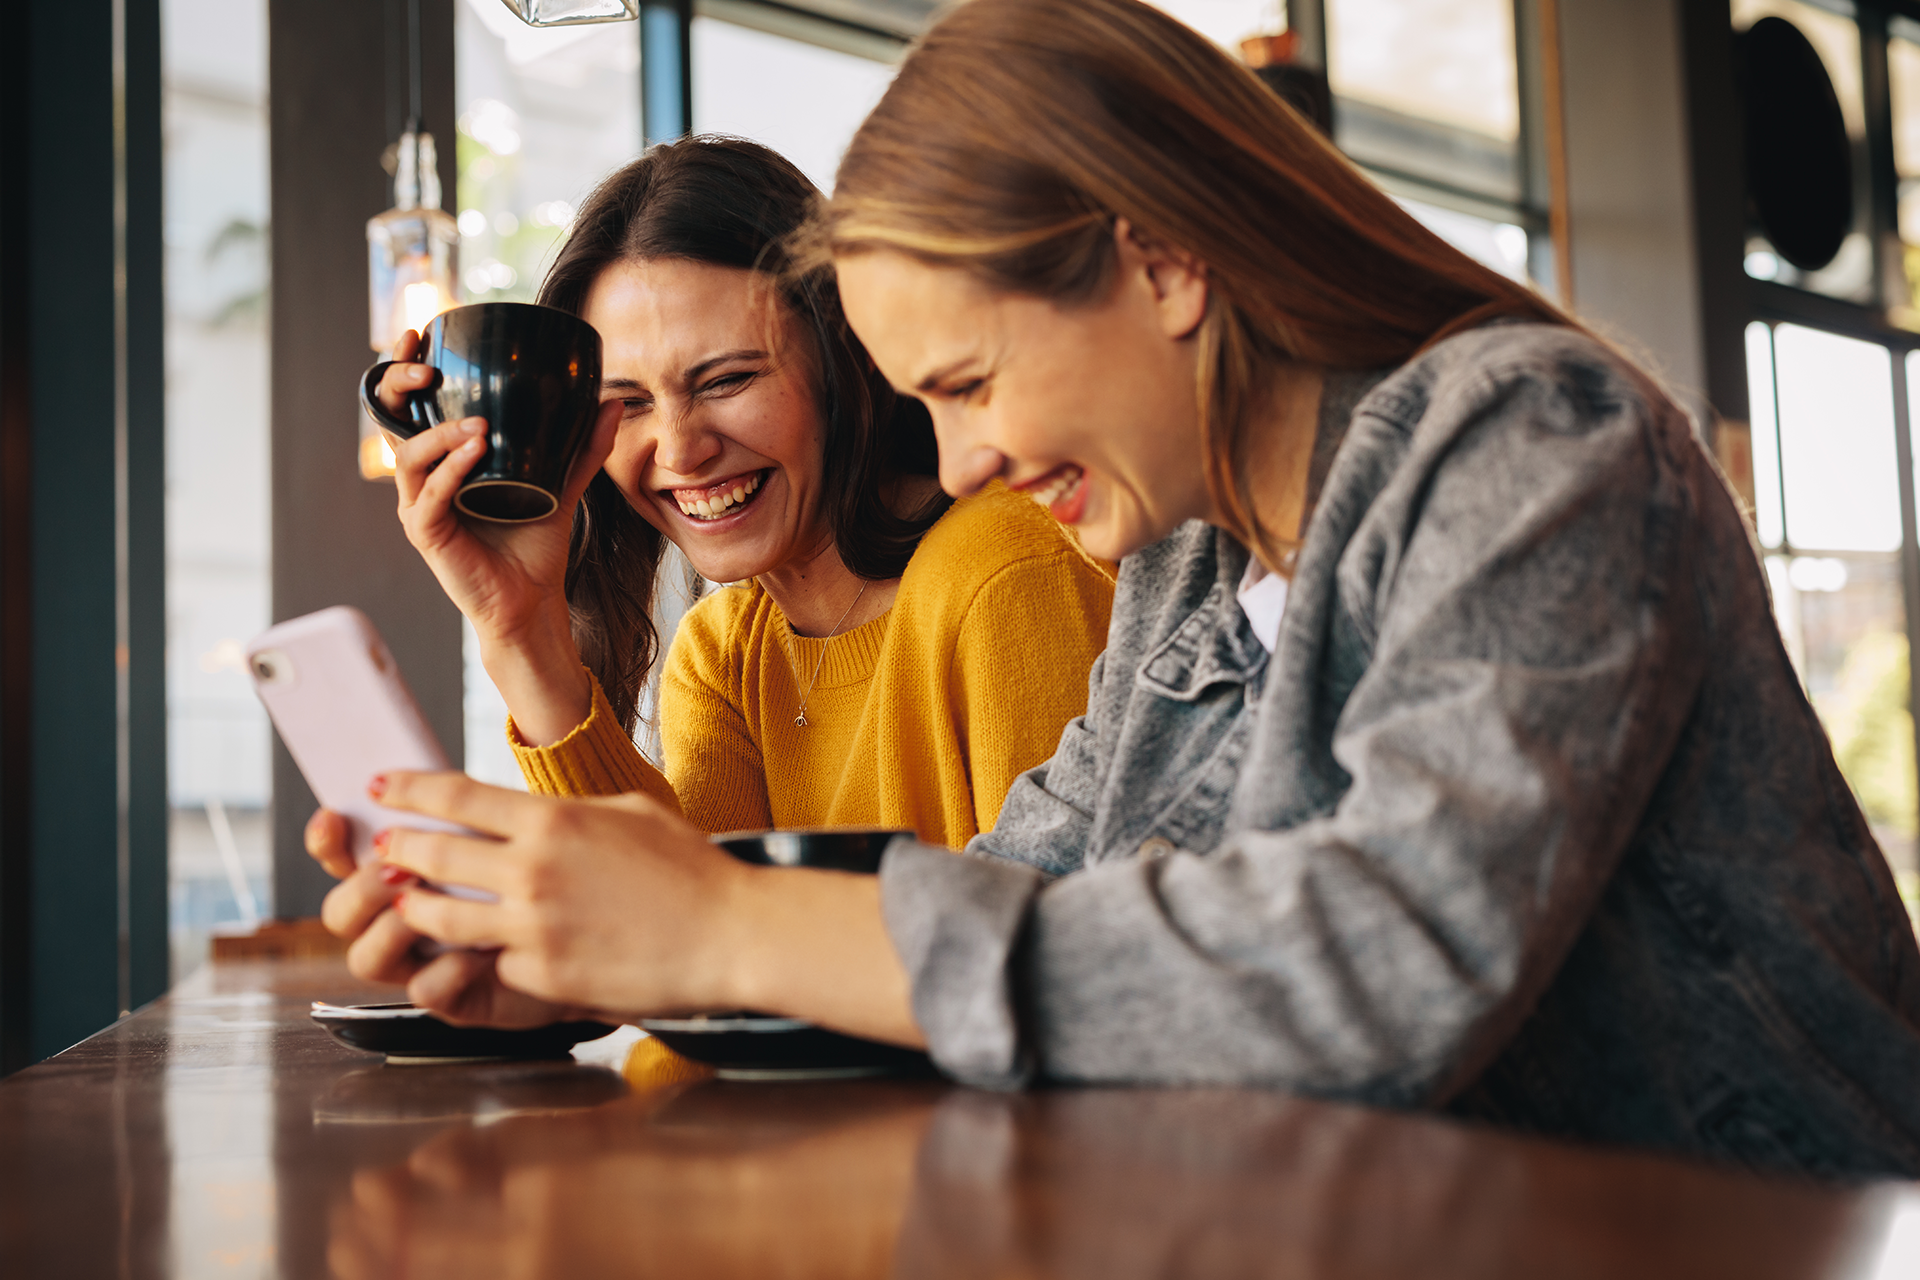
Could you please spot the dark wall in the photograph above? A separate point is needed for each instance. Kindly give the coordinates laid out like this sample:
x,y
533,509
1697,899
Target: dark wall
x,y
339,97
83,818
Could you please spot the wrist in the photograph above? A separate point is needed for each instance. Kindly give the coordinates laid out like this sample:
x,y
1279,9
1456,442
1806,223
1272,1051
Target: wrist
x,y
812,944
742,943
541,679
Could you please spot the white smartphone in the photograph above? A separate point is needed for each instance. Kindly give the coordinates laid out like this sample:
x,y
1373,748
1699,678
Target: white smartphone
x,y
337,697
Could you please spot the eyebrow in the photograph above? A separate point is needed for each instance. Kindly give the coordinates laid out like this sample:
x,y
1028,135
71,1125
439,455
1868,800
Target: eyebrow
x,y
944,372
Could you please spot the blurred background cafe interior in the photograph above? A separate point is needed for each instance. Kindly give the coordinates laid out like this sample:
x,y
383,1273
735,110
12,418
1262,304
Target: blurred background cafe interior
x,y
186,192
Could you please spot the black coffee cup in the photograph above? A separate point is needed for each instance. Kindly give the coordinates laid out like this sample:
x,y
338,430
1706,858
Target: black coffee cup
x,y
533,373
834,848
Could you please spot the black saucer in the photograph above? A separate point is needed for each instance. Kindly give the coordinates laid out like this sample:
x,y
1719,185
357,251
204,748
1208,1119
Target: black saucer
x,y
758,1046
408,1034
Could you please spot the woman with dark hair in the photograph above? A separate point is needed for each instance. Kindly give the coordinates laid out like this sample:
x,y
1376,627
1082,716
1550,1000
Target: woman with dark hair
x,y
874,663
1444,753
883,656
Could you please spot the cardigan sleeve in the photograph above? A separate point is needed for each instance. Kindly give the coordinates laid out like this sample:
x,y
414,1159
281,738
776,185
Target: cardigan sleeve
x,y
596,759
1013,683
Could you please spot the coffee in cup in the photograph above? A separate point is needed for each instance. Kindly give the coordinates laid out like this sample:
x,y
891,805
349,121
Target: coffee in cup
x,y
533,373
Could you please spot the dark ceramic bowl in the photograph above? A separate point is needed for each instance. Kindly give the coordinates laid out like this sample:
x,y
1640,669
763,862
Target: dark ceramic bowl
x,y
833,848
758,1046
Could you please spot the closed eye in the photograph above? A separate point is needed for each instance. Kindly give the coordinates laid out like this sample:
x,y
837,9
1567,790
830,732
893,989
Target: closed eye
x,y
728,382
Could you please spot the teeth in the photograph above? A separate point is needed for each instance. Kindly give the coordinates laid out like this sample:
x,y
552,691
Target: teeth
x,y
717,504
1059,488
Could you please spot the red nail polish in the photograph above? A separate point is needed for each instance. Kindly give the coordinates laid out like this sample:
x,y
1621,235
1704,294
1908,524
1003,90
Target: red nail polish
x,y
377,786
381,839
395,875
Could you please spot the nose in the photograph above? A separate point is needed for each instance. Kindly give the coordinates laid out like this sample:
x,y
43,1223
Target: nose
x,y
966,463
681,445
965,468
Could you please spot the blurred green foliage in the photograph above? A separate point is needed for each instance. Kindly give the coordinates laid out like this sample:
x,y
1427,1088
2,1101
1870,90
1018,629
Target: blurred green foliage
x,y
1869,720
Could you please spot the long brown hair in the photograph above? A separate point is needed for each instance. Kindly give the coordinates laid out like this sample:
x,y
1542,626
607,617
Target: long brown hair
x,y
1018,131
732,203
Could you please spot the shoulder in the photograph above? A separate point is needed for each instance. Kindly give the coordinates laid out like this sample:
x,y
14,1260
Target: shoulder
x,y
712,630
988,532
1553,378
998,554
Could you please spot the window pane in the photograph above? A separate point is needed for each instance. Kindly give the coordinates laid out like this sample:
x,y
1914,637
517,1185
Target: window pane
x,y
1500,245
219,778
800,99
1228,22
904,17
1836,441
544,114
1844,624
1837,40
1446,60
1903,70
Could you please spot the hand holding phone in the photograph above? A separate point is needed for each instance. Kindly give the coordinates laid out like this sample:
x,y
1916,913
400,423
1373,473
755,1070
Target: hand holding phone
x,y
345,713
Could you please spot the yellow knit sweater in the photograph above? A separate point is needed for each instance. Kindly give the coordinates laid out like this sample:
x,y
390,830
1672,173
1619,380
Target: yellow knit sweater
x,y
919,719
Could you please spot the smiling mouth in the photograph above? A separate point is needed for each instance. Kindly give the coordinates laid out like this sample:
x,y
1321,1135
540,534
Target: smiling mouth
x,y
1055,485
717,501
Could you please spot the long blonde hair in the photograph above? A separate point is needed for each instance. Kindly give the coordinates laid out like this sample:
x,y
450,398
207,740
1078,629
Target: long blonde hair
x,y
1017,131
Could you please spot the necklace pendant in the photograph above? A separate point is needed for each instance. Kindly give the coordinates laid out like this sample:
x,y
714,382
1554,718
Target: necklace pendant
x,y
801,720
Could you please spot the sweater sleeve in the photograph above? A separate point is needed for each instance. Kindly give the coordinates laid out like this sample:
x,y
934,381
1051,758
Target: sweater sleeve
x,y
1016,678
596,759
713,759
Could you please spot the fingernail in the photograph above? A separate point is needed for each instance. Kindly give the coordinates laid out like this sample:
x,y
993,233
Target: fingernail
x,y
395,875
473,426
380,839
377,786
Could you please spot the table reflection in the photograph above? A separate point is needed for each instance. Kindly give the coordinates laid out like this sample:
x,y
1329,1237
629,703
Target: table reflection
x,y
865,1179
709,1180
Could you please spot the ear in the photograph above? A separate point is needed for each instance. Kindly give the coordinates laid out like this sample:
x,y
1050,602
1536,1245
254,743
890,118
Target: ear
x,y
1177,278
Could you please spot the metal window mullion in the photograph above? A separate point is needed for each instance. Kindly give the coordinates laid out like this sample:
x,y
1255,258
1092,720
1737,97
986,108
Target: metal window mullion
x,y
1909,540
666,70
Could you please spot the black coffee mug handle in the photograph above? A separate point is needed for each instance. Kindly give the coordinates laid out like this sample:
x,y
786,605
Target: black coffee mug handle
x,y
405,428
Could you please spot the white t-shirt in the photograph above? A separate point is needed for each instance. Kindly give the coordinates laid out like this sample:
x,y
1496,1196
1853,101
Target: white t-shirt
x,y
1263,598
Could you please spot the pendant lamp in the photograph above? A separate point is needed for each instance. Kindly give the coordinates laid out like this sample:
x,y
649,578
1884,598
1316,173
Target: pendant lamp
x,y
412,249
570,13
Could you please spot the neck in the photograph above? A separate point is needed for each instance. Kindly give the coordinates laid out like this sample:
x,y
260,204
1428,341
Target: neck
x,y
1281,459
821,596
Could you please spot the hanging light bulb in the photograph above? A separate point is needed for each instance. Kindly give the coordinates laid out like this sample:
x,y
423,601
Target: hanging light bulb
x,y
568,13
411,247
411,261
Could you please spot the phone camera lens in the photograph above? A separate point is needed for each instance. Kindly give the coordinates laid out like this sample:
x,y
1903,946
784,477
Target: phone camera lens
x,y
264,668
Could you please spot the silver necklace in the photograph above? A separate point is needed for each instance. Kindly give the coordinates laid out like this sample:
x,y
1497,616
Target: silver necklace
x,y
801,719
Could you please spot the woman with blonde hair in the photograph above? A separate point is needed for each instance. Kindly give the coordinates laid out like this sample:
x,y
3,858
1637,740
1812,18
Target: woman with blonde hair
x,y
1444,753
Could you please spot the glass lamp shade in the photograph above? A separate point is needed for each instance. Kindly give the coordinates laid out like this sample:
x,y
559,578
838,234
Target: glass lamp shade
x,y
568,13
411,264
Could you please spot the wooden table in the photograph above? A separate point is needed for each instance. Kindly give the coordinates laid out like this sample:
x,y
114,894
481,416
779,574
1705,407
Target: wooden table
x,y
220,1133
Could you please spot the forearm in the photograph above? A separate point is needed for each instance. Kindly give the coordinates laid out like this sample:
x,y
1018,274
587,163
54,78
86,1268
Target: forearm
x,y
812,944
539,676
